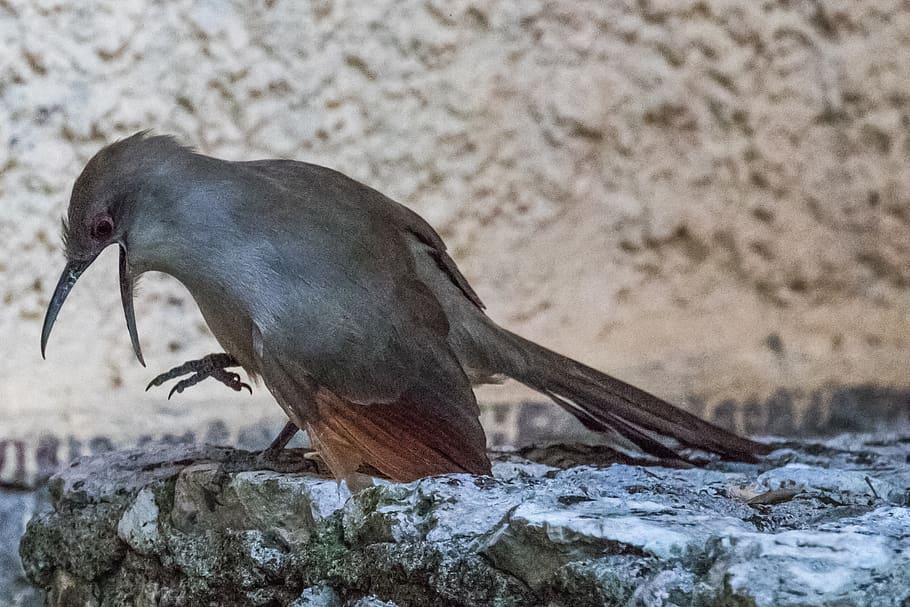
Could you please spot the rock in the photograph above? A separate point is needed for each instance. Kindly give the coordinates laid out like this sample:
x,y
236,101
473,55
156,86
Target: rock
x,y
16,507
372,601
138,527
318,596
189,527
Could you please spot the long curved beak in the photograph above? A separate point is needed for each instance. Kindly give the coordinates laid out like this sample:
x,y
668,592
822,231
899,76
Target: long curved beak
x,y
71,274
126,298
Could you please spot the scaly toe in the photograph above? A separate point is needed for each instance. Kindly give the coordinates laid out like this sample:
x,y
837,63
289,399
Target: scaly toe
x,y
286,461
183,384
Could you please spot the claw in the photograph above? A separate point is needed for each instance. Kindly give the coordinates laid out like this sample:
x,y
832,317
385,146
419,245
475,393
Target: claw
x,y
231,380
213,366
173,373
183,384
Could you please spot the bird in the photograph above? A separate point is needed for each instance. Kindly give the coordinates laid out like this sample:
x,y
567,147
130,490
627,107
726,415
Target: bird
x,y
345,304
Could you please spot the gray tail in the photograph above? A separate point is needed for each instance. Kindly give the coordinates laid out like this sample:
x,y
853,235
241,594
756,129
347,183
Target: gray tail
x,y
606,404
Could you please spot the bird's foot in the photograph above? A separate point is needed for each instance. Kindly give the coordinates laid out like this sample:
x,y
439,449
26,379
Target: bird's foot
x,y
280,459
213,365
289,461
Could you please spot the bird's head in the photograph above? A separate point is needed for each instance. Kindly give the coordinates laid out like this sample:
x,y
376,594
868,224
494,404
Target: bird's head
x,y
101,212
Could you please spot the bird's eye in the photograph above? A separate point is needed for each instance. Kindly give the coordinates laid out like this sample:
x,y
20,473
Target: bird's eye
x,y
103,228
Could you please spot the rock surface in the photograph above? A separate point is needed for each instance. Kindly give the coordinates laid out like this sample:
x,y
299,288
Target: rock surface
x,y
16,508
814,524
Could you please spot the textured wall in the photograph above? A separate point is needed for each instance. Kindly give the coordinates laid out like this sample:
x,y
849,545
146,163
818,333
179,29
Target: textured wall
x,y
707,198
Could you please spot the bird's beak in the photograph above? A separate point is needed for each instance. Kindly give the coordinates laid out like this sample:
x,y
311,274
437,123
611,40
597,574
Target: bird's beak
x,y
71,274
126,297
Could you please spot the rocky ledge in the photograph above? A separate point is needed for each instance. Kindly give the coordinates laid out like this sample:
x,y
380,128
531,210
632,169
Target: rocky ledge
x,y
814,524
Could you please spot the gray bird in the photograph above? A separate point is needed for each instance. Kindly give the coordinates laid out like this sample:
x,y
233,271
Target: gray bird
x,y
345,303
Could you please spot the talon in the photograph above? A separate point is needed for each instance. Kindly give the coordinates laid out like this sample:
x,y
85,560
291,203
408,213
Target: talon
x,y
231,380
160,379
156,382
203,365
213,365
238,385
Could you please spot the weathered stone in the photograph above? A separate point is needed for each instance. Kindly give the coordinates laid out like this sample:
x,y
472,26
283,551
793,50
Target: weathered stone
x,y
372,601
16,507
198,527
138,526
68,591
318,596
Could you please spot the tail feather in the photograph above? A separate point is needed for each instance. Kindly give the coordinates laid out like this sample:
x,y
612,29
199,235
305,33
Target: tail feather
x,y
641,438
404,439
604,403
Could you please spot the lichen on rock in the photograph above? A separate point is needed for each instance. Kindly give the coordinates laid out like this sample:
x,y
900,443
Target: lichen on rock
x,y
811,525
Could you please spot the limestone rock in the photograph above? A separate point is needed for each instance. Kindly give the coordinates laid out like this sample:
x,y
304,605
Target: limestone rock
x,y
813,524
318,596
16,507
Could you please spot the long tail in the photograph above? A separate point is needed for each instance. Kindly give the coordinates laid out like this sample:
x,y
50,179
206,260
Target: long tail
x,y
606,404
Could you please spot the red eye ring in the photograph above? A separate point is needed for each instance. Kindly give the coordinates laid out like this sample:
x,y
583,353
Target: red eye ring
x,y
103,227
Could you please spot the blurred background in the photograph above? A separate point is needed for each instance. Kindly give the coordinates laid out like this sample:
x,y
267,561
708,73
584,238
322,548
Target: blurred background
x,y
708,199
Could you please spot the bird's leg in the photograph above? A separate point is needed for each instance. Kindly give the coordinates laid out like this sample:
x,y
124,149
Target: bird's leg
x,y
276,457
213,366
281,441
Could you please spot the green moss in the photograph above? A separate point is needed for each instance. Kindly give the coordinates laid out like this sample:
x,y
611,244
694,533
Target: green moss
x,y
326,555
164,497
431,573
595,583
81,541
725,596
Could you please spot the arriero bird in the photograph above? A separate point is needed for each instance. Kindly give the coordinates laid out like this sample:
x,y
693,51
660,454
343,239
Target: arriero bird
x,y
345,303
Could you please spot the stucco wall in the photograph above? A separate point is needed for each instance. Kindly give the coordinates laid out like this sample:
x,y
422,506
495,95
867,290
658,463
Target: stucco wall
x,y
709,199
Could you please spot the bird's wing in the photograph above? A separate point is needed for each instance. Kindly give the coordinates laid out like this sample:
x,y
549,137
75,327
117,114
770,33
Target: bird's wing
x,y
394,399
354,327
323,191
431,428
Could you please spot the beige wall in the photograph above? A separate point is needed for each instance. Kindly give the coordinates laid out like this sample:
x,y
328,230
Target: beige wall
x,y
706,198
